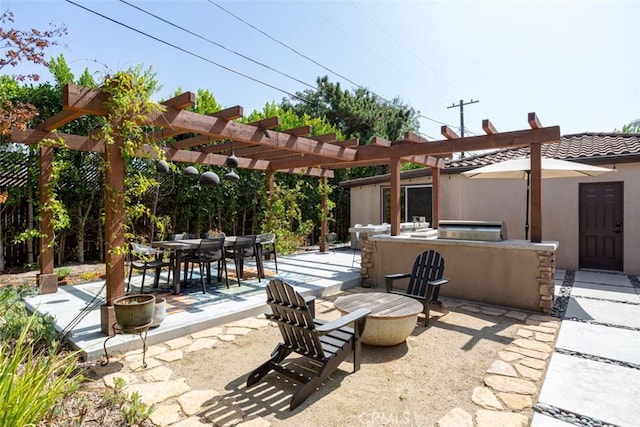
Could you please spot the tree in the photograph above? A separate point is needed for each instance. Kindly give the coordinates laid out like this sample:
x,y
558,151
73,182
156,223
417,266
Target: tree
x,y
357,114
633,127
18,46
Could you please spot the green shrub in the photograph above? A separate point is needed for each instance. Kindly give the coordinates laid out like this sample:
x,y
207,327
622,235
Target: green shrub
x,y
32,383
14,320
133,410
63,272
136,411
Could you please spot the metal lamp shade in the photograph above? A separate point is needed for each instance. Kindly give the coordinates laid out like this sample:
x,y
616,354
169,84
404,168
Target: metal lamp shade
x,y
231,176
190,171
209,179
232,161
162,167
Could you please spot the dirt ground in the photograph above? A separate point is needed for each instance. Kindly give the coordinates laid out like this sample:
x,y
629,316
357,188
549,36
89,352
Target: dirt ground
x,y
412,384
79,273
415,383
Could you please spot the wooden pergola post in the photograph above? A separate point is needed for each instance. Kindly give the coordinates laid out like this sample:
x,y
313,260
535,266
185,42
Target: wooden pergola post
x,y
269,183
47,279
324,226
435,197
395,196
114,232
536,192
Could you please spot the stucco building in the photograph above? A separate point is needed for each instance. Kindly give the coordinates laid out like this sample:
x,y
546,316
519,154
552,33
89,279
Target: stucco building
x,y
573,208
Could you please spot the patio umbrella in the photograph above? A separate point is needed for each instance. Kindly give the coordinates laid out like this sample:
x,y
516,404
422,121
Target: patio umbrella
x,y
521,169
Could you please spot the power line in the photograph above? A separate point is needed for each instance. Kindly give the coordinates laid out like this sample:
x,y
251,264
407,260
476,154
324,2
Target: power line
x,y
396,41
218,44
220,65
312,60
187,51
283,44
374,52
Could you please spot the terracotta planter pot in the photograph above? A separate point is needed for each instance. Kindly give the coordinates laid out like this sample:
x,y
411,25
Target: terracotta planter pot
x,y
133,311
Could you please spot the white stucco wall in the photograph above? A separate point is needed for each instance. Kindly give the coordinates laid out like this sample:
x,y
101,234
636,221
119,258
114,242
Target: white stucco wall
x,y
504,200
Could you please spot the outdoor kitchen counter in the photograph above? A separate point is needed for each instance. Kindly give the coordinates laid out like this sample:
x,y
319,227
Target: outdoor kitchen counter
x,y
510,244
510,273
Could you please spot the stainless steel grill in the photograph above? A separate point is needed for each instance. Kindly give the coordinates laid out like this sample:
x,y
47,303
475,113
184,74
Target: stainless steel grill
x,y
472,230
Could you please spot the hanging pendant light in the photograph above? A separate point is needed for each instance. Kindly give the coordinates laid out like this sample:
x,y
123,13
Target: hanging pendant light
x,y
162,167
231,176
232,160
190,171
209,179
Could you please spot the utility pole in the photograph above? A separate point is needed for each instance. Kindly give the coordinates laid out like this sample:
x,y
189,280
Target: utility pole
x,y
461,106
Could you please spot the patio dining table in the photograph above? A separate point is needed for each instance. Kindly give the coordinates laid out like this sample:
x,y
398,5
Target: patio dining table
x,y
180,247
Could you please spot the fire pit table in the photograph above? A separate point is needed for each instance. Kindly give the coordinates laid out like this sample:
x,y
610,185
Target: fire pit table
x,y
392,318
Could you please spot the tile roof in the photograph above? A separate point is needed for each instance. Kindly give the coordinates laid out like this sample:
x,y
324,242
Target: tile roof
x,y
599,147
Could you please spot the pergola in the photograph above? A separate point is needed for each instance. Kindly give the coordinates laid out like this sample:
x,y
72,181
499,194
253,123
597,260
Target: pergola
x,y
257,147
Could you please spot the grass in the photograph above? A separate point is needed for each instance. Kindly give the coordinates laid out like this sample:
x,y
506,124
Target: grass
x,y
33,382
42,384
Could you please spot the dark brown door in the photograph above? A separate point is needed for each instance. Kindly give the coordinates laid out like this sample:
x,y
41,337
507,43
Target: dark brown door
x,y
601,225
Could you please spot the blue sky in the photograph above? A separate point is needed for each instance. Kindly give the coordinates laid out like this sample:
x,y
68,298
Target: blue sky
x,y
577,64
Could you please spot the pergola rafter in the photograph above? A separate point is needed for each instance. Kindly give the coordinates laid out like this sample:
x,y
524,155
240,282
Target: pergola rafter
x,y
257,147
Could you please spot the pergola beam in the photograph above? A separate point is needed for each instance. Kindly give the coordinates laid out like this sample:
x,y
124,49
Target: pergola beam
x,y
380,142
413,138
327,137
230,113
268,123
88,100
267,154
85,143
448,133
317,172
533,120
182,101
59,119
240,147
488,127
517,138
430,161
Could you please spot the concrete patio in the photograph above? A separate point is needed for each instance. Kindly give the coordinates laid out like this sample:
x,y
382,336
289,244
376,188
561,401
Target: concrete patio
x,y
77,313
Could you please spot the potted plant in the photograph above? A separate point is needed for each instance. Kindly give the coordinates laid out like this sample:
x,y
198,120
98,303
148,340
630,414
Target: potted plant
x,y
134,311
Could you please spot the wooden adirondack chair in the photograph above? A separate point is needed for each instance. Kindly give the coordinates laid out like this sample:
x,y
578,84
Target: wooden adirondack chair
x,y
424,279
327,343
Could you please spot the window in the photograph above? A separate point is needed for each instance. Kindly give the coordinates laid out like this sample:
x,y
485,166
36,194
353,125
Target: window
x,y
415,200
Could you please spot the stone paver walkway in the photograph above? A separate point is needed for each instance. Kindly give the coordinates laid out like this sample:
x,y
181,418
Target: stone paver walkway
x,y
511,384
513,380
593,378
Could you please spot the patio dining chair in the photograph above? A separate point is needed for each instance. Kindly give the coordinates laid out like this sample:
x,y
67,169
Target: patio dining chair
x,y
143,257
208,252
324,344
267,242
244,247
424,280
